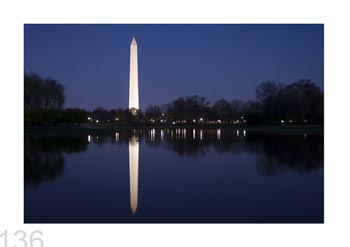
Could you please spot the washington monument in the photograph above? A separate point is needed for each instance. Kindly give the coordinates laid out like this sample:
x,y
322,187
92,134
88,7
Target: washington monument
x,y
133,142
134,78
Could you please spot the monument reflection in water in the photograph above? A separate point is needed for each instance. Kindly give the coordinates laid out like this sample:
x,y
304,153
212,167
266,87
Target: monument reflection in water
x,y
133,171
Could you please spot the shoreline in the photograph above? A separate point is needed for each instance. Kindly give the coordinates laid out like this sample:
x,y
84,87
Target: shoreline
x,y
105,128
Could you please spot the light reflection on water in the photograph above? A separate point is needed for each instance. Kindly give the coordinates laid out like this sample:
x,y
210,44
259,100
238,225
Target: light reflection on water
x,y
117,136
218,134
133,171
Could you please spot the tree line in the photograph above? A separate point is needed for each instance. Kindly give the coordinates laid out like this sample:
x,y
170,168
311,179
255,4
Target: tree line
x,y
43,103
298,102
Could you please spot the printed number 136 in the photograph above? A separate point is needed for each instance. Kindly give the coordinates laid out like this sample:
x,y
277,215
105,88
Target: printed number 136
x,y
22,239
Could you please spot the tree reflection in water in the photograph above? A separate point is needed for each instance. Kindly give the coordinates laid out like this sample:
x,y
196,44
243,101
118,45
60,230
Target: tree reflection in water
x,y
295,153
44,156
275,153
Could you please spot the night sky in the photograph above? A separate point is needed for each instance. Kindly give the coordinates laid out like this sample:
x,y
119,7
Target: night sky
x,y
214,61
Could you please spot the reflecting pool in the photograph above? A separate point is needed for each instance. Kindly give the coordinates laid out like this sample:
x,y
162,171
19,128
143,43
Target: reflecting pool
x,y
174,176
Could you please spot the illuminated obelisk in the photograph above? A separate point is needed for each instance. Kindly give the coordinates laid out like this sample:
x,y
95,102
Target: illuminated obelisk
x,y
134,78
133,171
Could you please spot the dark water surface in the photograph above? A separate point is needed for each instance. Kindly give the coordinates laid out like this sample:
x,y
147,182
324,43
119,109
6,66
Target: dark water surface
x,y
178,175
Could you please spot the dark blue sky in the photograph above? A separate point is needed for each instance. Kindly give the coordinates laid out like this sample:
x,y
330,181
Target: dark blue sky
x,y
214,61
